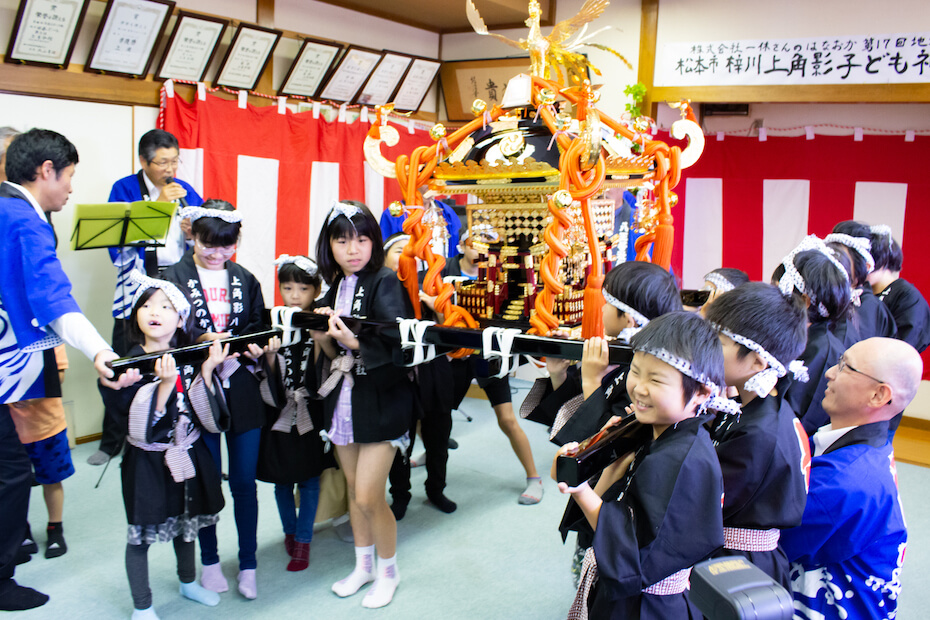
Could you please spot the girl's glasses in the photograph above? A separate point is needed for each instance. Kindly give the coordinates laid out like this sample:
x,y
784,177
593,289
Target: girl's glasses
x,y
228,250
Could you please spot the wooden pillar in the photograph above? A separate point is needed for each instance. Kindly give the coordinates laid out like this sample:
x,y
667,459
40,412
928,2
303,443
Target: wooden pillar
x,y
647,54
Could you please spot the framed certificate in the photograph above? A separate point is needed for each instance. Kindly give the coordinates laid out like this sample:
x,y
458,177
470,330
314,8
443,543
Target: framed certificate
x,y
247,56
313,64
191,47
354,68
383,81
125,41
44,32
416,83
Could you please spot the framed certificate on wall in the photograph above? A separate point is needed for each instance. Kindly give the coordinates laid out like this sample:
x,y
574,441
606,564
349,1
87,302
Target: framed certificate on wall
x,y
383,81
353,70
127,36
416,83
247,56
191,48
313,64
44,32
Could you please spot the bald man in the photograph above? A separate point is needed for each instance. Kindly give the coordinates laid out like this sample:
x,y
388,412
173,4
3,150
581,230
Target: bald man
x,y
846,555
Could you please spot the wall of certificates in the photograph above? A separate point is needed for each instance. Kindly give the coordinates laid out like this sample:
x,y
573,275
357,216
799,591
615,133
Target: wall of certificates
x,y
137,38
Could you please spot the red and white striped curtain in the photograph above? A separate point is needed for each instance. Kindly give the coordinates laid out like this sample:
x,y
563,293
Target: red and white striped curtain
x,y
282,171
747,203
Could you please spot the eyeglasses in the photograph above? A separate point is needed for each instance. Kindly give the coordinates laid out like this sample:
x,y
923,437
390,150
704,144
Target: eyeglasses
x,y
167,163
228,250
842,363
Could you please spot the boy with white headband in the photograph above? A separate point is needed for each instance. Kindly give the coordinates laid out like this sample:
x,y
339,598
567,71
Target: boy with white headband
x,y
577,403
870,318
763,450
656,511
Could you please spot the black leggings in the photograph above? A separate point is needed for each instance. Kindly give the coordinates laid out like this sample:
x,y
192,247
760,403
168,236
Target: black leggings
x,y
137,569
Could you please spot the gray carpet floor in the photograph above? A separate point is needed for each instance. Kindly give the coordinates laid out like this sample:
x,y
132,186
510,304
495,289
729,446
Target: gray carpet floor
x,y
492,558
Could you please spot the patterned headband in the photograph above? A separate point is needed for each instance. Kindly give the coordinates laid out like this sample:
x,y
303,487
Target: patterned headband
x,y
174,294
793,279
195,213
622,307
308,265
882,229
763,381
343,208
859,244
394,241
716,401
720,283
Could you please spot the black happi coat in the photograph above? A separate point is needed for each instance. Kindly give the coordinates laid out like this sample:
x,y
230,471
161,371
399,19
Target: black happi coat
x,y
383,394
870,319
245,294
823,351
150,494
667,518
765,460
911,313
290,458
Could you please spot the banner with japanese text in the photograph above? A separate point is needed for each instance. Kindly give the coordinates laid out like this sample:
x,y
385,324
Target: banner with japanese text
x,y
874,59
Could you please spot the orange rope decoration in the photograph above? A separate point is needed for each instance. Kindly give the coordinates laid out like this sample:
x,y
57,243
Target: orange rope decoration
x,y
411,174
575,184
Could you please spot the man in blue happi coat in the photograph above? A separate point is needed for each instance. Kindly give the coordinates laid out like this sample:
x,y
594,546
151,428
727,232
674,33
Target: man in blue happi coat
x,y
847,554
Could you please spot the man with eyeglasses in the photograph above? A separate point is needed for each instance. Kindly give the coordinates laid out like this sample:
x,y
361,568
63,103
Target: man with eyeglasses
x,y
847,554
159,158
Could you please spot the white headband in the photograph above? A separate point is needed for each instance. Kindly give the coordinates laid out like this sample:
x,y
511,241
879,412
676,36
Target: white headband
x,y
307,264
763,381
619,305
343,208
174,294
716,401
793,279
882,229
395,241
859,244
195,213
720,283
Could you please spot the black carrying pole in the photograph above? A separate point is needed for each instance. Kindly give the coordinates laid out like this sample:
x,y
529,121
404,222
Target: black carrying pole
x,y
452,338
193,354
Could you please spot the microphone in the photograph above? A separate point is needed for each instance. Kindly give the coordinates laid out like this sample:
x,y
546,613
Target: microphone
x,y
181,200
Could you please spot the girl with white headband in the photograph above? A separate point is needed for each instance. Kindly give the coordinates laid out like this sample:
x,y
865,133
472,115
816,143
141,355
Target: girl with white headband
x,y
292,451
820,276
368,402
171,487
762,449
869,318
227,300
656,511
909,308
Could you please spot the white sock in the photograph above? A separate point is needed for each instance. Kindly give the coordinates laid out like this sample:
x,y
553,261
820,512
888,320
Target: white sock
x,y
196,592
144,614
363,573
382,592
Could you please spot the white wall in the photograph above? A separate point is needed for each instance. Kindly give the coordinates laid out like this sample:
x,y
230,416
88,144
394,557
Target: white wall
x,y
103,135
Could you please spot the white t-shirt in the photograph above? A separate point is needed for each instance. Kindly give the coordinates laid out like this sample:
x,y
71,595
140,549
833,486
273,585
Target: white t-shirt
x,y
215,286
